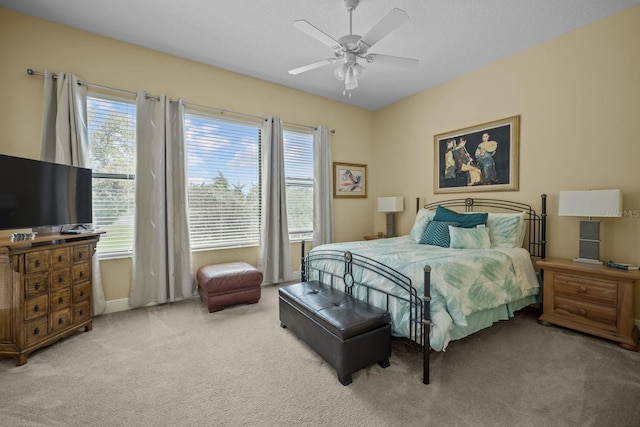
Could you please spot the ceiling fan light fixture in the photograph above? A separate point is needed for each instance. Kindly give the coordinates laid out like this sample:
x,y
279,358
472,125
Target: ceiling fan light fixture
x,y
350,80
359,70
341,72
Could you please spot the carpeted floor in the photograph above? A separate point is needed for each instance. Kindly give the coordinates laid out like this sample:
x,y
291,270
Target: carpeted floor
x,y
178,365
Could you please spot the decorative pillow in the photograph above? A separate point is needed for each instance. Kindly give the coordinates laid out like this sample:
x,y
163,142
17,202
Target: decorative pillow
x,y
469,238
468,220
423,217
506,230
437,233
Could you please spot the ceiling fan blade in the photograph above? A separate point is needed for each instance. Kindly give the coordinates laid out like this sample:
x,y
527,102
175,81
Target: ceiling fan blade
x,y
390,22
395,61
312,66
317,34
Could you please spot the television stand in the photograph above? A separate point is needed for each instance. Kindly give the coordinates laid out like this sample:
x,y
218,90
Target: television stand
x,y
45,291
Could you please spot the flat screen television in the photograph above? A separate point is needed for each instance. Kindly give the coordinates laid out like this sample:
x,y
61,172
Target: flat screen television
x,y
35,193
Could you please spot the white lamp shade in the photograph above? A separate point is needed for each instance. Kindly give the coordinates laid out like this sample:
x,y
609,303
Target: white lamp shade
x,y
390,204
590,203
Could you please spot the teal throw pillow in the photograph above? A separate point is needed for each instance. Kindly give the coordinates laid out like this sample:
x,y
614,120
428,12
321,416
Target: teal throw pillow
x,y
437,233
467,220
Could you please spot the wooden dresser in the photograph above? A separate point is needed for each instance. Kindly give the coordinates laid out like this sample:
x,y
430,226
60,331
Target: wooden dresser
x,y
45,291
594,299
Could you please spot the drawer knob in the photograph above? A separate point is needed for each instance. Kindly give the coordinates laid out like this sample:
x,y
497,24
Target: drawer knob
x,y
36,308
37,263
60,279
81,312
81,293
81,273
60,321
80,254
60,300
59,258
37,286
36,331
582,289
583,312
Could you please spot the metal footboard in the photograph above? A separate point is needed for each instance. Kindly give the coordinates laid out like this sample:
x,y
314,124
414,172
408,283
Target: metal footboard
x,y
390,285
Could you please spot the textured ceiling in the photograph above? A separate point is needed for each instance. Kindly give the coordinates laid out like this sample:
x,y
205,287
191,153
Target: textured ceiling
x,y
256,38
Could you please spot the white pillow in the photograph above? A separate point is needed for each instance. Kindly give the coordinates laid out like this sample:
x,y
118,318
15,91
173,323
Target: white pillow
x,y
423,217
469,238
506,230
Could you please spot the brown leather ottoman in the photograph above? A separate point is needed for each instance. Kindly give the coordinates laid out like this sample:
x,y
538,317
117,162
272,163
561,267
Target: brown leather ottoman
x,y
220,285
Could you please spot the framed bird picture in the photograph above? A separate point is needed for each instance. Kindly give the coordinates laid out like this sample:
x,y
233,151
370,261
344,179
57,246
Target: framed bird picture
x,y
349,180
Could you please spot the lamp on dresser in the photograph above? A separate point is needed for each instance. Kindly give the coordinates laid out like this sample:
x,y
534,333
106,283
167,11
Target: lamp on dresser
x,y
590,203
391,205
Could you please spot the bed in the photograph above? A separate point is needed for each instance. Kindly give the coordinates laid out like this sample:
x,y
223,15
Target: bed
x,y
466,264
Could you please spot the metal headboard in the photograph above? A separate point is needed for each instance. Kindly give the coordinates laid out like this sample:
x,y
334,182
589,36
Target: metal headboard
x,y
535,222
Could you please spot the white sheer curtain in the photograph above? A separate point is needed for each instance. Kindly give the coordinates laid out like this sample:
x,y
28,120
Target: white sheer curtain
x,y
162,266
322,187
65,140
274,259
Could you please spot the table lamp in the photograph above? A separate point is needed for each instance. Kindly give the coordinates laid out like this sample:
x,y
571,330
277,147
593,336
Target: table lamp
x,y
391,205
590,203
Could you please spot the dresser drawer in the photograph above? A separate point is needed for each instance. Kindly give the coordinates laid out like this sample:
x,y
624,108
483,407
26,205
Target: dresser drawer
x,y
603,317
60,298
81,312
35,307
60,319
60,279
35,284
81,292
35,330
81,272
60,258
586,289
81,253
36,261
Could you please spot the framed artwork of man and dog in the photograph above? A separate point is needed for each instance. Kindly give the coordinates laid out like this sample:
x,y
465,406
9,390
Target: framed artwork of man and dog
x,y
478,158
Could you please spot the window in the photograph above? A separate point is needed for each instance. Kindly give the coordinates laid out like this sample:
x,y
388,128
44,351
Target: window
x,y
298,166
111,124
223,172
223,181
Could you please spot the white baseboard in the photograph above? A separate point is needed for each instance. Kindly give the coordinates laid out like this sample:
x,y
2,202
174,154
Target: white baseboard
x,y
122,304
116,305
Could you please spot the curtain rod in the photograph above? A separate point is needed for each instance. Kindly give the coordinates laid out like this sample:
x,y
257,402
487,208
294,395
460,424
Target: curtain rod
x,y
32,72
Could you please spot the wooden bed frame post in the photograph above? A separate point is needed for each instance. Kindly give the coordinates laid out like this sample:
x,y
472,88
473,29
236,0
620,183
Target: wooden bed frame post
x,y
426,324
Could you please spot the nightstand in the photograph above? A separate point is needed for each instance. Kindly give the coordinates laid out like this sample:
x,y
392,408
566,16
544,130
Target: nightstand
x,y
594,299
375,237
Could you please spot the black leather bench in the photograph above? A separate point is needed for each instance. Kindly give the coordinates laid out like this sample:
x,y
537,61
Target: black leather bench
x,y
348,333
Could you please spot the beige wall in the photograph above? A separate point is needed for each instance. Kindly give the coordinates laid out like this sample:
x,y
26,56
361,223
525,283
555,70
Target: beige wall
x,y
27,42
578,98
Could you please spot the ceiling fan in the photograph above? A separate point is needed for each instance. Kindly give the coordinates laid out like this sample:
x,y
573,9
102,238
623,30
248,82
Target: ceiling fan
x,y
348,49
